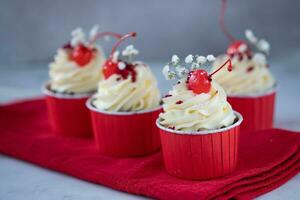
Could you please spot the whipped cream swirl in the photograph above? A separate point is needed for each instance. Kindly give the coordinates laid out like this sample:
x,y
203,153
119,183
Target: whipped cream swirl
x,y
67,77
186,111
249,76
124,95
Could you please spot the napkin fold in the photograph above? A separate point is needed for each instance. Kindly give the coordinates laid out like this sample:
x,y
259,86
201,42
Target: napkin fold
x,y
267,159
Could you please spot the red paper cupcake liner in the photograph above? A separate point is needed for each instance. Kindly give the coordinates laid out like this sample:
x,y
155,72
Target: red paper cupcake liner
x,y
200,155
125,134
68,114
258,111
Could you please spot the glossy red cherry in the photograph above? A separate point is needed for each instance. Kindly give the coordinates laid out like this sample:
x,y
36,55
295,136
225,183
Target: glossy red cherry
x,y
234,47
110,68
82,55
199,81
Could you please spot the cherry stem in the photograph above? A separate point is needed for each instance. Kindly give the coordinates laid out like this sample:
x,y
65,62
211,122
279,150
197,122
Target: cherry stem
x,y
103,34
222,24
124,37
229,68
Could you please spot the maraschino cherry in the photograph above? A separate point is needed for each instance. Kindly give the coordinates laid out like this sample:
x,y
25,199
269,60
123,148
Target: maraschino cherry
x,y
82,54
111,66
235,47
199,81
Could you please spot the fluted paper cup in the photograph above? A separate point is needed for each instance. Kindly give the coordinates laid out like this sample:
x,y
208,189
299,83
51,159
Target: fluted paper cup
x,y
203,154
67,113
257,110
125,134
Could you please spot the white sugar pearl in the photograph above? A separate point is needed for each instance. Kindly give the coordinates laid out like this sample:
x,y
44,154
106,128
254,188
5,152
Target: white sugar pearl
x,y
210,58
189,59
121,65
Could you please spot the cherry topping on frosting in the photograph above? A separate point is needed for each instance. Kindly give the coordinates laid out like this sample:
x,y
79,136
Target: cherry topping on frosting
x,y
199,81
234,48
239,48
82,55
111,65
110,68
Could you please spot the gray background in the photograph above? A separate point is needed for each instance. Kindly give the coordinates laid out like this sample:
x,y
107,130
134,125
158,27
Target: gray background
x,y
32,30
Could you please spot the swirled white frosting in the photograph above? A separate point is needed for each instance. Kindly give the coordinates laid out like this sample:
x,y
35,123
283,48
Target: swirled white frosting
x,y
117,94
186,111
67,76
247,77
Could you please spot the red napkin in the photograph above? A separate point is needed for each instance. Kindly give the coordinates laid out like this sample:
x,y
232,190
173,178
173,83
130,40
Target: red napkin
x,y
267,159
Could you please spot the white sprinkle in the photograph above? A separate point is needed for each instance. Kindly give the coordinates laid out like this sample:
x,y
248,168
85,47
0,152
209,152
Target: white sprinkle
x,y
250,36
189,59
130,46
242,48
168,74
181,71
171,75
201,60
121,65
115,56
165,70
260,58
263,46
175,59
94,31
78,36
195,66
77,31
75,41
134,52
210,58
130,51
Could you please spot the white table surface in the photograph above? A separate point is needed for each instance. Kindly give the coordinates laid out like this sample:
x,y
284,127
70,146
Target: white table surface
x,y
20,180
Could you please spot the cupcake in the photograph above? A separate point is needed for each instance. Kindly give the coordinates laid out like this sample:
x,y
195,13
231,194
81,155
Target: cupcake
x,y
74,75
125,106
198,128
250,86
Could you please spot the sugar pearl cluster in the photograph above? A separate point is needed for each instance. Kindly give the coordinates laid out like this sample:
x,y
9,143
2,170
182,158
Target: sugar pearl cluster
x,y
176,69
127,55
260,44
79,36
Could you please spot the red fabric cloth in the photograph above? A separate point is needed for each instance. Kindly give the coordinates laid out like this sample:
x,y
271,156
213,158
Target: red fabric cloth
x,y
267,159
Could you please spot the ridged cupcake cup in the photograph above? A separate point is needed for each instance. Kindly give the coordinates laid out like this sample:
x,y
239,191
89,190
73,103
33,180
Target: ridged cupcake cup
x,y
258,110
67,113
125,134
203,154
